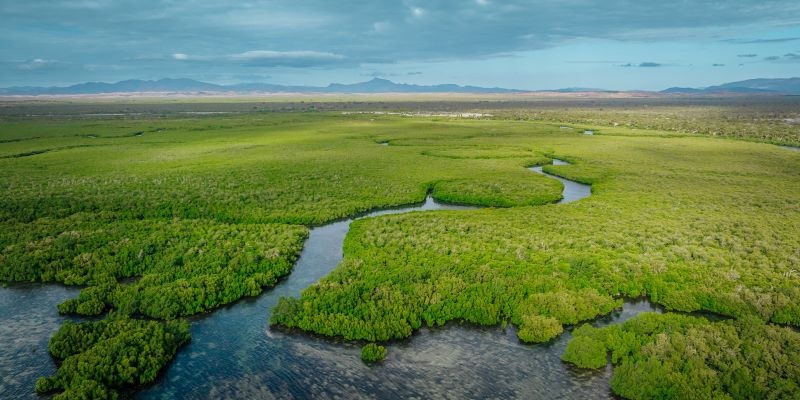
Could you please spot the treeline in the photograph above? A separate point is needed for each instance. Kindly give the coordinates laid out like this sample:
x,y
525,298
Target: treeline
x,y
100,358
673,356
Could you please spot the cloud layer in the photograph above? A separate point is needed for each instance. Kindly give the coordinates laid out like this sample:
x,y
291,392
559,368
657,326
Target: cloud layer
x,y
212,36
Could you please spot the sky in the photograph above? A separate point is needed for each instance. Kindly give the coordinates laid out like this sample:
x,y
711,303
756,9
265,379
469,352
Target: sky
x,y
609,44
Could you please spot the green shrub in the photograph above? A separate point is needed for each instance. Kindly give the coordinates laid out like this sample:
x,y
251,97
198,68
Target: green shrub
x,y
538,329
586,352
673,356
372,352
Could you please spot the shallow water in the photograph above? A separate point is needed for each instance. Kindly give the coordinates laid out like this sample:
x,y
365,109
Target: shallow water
x,y
572,190
234,353
28,318
228,360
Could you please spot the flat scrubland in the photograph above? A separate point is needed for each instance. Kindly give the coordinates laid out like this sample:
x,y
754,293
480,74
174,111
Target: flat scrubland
x,y
764,118
165,215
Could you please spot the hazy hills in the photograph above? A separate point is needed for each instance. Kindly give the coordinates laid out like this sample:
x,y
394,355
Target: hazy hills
x,y
184,85
781,86
376,85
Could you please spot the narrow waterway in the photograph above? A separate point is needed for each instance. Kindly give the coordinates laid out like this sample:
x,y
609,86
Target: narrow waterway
x,y
572,190
234,354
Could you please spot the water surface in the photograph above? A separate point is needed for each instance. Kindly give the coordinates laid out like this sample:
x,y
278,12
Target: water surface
x,y
28,318
572,190
234,353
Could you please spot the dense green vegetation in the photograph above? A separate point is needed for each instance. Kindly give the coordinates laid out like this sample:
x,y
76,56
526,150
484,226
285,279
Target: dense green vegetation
x,y
168,217
686,357
696,224
372,352
500,191
99,358
536,328
586,352
186,267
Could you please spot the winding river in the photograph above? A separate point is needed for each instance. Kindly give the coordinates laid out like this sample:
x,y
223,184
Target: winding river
x,y
234,354
572,190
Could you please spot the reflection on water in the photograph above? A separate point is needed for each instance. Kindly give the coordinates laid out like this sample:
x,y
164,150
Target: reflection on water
x,y
572,190
234,354
28,318
225,361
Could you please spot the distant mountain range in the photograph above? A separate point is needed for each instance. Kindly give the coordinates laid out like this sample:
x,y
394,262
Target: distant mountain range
x,y
376,85
184,85
754,86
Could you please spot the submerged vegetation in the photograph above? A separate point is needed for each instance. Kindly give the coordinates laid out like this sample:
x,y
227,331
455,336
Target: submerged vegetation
x,y
168,217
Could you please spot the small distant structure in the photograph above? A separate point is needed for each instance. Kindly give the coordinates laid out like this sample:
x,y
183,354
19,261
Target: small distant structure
x,y
588,132
565,127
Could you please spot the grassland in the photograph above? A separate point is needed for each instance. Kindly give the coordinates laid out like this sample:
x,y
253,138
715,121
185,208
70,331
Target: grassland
x,y
168,216
770,119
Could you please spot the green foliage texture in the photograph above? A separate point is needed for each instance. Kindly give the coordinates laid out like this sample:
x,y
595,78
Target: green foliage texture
x,y
673,356
372,352
99,358
168,217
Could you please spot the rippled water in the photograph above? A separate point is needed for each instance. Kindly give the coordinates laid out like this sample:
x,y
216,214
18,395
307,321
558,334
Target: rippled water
x,y
234,354
228,360
28,318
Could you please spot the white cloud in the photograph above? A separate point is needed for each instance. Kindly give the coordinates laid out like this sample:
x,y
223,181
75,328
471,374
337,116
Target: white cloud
x,y
37,63
256,55
267,58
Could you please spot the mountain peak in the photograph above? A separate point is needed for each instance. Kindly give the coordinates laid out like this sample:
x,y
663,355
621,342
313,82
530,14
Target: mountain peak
x,y
750,86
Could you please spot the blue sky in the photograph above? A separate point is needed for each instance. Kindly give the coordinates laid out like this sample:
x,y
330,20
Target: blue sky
x,y
613,44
